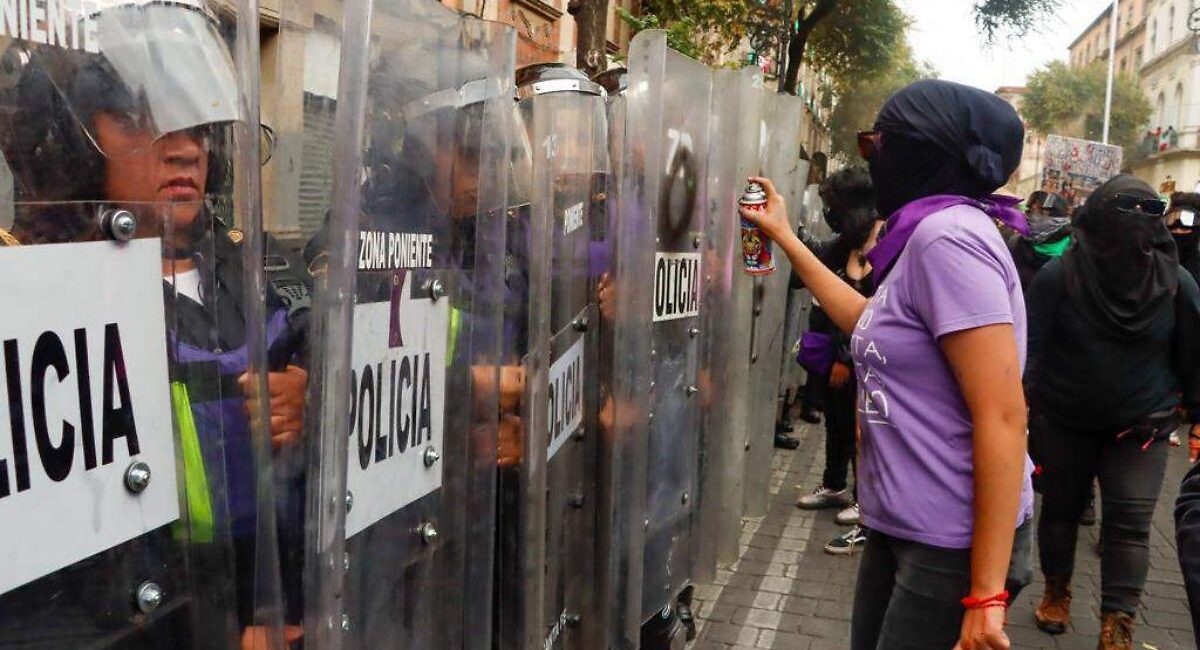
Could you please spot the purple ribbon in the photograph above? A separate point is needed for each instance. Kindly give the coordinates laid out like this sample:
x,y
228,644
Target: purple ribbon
x,y
901,225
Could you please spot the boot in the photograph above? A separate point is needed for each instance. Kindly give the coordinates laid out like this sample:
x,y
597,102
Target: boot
x,y
1116,631
1054,612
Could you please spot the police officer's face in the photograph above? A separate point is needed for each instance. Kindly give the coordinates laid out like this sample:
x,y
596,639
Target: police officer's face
x,y
168,171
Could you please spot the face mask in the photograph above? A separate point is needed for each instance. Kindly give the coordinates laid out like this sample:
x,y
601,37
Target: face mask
x,y
1053,249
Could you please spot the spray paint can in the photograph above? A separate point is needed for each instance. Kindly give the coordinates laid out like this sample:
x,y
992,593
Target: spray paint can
x,y
756,248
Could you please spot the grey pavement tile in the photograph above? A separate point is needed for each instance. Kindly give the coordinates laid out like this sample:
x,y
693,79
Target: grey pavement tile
x,y
787,594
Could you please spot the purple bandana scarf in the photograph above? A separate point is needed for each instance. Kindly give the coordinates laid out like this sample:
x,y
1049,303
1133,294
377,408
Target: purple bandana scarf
x,y
903,222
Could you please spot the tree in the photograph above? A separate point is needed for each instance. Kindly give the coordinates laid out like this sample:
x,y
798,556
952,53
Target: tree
x,y
591,22
845,38
702,29
1070,101
848,35
860,101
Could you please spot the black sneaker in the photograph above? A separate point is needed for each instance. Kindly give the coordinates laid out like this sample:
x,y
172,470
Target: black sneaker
x,y
810,416
846,543
784,441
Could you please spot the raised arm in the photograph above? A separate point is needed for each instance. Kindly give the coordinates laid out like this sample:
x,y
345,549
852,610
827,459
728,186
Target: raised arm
x,y
839,300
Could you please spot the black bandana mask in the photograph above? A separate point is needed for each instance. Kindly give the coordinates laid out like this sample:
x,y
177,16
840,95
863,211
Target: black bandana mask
x,y
1122,268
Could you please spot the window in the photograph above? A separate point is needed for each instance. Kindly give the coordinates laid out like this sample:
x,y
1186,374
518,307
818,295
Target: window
x,y
1137,57
1170,26
1178,119
1153,37
1121,66
1161,109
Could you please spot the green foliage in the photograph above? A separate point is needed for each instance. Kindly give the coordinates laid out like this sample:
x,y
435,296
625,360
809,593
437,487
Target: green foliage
x,y
1018,17
702,29
680,32
1070,101
858,40
861,100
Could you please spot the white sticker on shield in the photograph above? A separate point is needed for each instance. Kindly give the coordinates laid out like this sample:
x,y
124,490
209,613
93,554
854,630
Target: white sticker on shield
x,y
85,395
398,375
565,403
676,285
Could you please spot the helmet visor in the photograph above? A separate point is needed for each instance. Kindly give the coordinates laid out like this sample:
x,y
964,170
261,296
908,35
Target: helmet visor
x,y
162,69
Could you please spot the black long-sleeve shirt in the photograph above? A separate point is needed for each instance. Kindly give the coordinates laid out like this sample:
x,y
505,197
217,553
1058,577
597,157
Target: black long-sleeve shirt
x,y
835,255
1085,379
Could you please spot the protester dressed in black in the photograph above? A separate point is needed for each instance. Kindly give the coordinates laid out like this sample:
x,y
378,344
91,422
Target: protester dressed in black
x,y
1048,237
1112,331
851,205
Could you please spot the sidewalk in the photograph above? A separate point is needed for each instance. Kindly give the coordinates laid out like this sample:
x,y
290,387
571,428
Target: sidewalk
x,y
786,593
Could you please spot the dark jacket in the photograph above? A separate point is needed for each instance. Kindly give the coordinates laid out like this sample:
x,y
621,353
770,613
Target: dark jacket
x,y
835,256
1083,379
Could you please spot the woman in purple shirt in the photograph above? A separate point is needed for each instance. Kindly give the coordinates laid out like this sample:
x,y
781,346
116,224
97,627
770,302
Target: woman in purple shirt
x,y
938,353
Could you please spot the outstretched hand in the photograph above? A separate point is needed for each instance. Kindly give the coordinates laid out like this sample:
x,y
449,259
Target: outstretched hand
x,y
772,219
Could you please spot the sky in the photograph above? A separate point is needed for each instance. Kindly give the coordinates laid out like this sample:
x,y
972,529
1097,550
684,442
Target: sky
x,y
944,34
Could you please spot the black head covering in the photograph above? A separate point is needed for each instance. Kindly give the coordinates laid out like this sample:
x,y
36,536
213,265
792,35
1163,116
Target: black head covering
x,y
944,138
1122,270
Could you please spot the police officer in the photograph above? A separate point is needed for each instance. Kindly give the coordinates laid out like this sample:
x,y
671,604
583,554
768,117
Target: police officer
x,y
139,130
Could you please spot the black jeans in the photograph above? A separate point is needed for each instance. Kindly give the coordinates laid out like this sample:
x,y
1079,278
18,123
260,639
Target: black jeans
x,y
1130,471
908,595
815,389
839,435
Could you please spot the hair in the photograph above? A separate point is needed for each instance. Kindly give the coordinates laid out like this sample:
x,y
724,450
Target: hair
x,y
848,188
849,197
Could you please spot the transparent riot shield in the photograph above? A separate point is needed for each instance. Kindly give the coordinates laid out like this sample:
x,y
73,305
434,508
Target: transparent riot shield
x,y
403,476
308,271
547,513
795,320
738,98
136,492
623,302
659,285
781,162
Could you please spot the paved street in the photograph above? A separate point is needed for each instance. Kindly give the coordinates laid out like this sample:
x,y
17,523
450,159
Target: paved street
x,y
786,593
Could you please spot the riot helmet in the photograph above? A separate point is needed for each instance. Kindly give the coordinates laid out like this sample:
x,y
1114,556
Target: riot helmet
x,y
615,81
137,113
575,167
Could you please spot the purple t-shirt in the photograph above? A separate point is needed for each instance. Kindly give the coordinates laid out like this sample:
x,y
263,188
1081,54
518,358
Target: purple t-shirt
x,y
915,468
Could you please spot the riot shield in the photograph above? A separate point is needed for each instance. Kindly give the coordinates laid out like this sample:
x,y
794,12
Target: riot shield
x,y
799,305
783,117
659,284
734,155
300,100
135,469
621,465
547,502
421,158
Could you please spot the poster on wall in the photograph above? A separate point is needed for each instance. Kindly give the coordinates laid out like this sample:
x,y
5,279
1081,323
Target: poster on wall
x,y
1073,168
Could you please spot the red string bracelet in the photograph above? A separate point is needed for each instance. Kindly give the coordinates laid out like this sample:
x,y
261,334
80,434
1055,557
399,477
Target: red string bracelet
x,y
999,600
